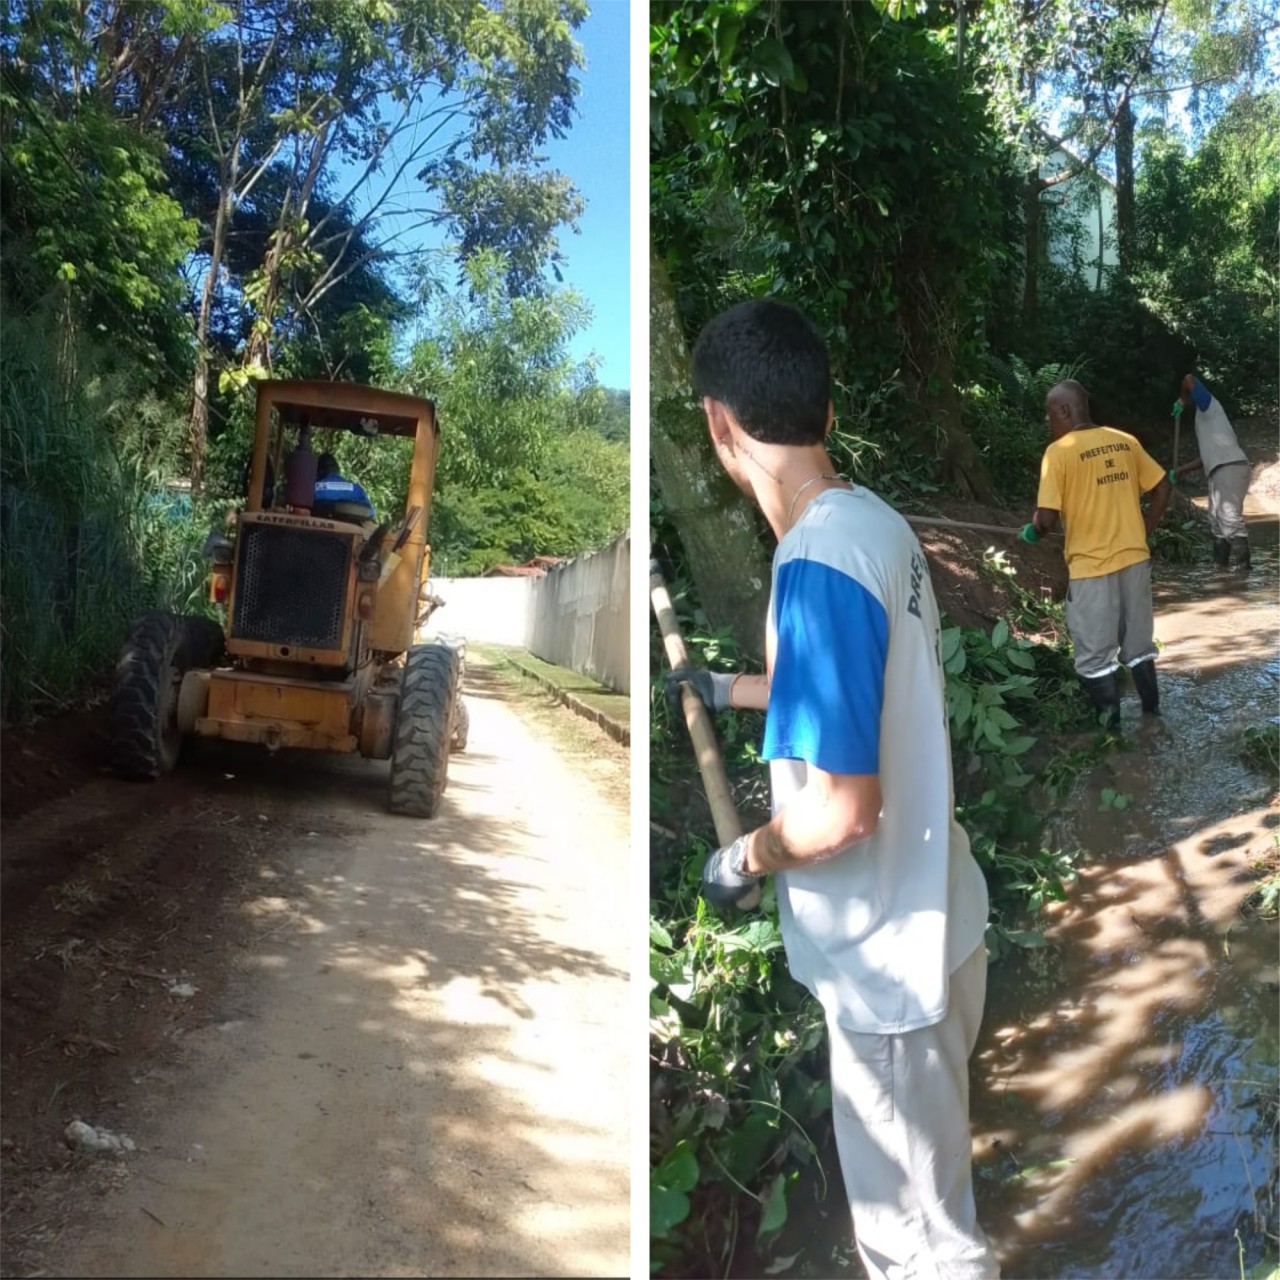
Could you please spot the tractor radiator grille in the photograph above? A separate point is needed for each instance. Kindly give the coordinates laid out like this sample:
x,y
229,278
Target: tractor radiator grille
x,y
291,586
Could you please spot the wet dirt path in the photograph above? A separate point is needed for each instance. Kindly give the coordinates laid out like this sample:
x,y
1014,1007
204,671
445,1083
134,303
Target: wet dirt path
x,y
406,1052
1125,1084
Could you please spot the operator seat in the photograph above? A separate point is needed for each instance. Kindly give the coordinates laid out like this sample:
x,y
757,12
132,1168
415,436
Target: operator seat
x,y
348,512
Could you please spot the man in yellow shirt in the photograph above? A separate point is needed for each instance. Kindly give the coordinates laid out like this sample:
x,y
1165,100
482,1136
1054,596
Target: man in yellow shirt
x,y
1093,479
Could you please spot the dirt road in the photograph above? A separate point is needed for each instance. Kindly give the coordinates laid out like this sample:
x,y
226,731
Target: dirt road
x,y
405,1054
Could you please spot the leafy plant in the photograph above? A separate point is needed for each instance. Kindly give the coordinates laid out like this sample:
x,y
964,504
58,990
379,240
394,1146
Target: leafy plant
x,y
736,1087
1113,799
1180,542
1260,748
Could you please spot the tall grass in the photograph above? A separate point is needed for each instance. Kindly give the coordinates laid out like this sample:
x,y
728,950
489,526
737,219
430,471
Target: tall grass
x,y
84,546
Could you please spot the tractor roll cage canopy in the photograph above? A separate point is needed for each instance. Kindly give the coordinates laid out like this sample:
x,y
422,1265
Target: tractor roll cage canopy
x,y
346,406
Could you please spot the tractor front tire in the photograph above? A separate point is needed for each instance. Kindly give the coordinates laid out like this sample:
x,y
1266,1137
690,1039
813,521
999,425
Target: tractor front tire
x,y
161,648
420,749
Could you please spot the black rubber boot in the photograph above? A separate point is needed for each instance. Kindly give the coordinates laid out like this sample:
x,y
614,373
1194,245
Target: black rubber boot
x,y
1144,680
1244,561
1221,553
1105,696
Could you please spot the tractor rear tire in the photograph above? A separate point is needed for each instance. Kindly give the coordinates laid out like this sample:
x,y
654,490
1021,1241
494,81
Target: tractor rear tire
x,y
461,726
161,648
420,749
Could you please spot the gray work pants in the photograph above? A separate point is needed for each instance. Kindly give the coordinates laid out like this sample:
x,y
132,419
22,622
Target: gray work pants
x,y
901,1109
1111,621
1227,486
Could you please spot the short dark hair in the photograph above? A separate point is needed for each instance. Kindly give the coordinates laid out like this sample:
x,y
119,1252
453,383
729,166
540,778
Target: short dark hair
x,y
326,465
769,364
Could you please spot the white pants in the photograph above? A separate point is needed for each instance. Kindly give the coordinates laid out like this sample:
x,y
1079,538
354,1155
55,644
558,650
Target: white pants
x,y
1227,486
901,1111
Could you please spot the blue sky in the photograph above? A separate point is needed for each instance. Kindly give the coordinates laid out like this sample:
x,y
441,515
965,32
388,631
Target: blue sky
x,y
596,156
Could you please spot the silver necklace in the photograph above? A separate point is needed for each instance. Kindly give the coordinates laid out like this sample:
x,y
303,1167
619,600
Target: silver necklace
x,y
802,488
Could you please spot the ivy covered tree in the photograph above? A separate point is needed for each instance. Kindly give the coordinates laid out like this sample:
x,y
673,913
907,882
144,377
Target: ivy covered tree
x,y
828,154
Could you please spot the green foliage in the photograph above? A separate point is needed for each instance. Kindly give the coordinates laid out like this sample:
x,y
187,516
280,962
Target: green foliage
x,y
1005,416
1208,227
739,1084
524,468
86,212
799,152
475,529
86,538
1179,541
615,415
499,370
997,687
1260,749
1133,358
1111,799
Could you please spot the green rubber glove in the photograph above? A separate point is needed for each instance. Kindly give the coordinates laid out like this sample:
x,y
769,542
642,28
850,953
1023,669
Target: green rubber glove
x,y
1177,410
1029,533
1173,476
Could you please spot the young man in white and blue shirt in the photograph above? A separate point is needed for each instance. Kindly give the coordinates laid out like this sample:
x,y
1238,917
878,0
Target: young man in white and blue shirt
x,y
883,908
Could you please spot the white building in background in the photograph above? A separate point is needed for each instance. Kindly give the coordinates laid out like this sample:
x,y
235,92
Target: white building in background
x,y
1081,218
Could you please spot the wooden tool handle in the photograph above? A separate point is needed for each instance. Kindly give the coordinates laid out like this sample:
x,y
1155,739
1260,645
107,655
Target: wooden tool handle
x,y
941,523
701,731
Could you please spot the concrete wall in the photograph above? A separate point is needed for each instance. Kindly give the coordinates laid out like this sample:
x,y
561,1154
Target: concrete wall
x,y
578,616
581,616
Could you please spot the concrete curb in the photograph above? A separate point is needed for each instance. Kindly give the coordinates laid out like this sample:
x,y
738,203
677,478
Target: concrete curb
x,y
618,731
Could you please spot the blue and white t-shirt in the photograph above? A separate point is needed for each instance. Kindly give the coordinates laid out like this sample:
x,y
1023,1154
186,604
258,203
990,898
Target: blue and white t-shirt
x,y
1215,436
857,687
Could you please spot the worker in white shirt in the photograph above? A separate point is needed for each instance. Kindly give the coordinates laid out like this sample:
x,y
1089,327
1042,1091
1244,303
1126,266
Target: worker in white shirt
x,y
1227,469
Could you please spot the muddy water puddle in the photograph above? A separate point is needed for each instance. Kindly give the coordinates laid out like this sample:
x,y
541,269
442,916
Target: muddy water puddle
x,y
1125,1086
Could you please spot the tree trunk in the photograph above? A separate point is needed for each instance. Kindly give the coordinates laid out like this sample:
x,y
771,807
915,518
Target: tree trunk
x,y
1102,237
198,424
959,461
258,348
1031,252
1125,229
198,428
717,526
934,423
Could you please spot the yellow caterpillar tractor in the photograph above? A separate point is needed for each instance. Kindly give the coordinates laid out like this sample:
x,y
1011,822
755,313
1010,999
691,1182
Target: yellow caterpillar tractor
x,y
321,606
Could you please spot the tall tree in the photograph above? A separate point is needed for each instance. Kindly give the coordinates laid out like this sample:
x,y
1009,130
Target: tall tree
x,y
718,531
801,150
520,423
1084,74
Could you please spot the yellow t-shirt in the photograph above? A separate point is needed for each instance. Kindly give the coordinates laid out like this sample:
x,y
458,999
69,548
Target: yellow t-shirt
x,y
1094,476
